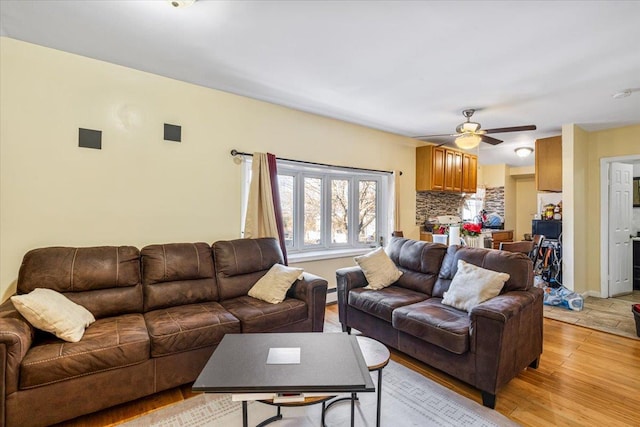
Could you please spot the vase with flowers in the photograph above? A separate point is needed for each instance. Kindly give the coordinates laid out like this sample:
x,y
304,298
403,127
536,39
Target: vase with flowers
x,y
471,232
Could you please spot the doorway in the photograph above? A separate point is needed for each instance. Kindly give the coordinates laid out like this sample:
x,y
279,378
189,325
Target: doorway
x,y
606,236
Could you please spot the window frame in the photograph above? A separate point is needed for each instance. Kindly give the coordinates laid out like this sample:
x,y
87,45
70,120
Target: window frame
x,y
301,171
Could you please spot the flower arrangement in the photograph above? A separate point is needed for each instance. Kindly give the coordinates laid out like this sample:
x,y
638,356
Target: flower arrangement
x,y
471,229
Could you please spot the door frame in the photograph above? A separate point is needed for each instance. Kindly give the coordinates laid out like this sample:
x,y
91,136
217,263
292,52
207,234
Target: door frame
x,y
604,217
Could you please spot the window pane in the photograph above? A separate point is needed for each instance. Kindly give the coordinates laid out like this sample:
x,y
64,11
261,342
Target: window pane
x,y
285,185
339,211
367,212
312,211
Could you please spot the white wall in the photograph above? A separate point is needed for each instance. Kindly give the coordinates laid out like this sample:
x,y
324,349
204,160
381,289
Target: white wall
x,y
140,189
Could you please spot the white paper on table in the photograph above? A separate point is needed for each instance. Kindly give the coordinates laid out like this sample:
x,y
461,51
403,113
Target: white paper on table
x,y
284,356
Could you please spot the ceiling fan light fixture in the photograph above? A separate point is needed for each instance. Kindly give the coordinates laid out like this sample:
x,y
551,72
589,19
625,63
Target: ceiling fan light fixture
x,y
523,151
468,127
468,141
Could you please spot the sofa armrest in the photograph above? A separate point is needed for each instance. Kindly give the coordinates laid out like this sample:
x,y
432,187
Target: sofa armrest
x,y
16,337
312,290
505,306
346,279
506,335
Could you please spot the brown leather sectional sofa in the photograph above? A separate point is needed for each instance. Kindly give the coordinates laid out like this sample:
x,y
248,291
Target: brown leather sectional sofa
x,y
160,314
485,348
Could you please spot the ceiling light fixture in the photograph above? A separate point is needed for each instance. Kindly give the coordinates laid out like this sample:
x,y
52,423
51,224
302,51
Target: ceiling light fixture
x,y
468,141
181,3
523,151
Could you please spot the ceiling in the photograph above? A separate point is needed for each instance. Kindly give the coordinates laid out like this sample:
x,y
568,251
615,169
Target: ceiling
x,y
408,68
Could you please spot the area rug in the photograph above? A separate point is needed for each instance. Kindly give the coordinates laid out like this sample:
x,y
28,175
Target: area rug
x,y
611,315
408,399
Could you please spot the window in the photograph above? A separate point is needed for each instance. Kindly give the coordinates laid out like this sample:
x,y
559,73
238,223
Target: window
x,y
328,208
473,205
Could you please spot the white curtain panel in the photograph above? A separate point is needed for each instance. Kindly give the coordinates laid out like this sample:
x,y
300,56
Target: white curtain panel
x,y
260,220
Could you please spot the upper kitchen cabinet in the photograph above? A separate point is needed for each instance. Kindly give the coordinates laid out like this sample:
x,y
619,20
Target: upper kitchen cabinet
x,y
469,173
549,164
445,169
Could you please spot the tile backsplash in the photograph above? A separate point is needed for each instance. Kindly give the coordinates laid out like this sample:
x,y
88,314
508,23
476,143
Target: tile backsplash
x,y
431,204
494,200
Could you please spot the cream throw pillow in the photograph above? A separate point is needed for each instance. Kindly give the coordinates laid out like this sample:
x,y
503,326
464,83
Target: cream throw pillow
x,y
472,285
51,311
273,286
378,269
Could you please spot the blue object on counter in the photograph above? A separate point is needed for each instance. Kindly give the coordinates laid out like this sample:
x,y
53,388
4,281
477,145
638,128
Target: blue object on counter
x,y
493,220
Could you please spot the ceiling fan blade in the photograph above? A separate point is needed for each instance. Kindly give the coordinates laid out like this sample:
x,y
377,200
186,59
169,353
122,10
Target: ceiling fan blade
x,y
511,129
436,136
490,140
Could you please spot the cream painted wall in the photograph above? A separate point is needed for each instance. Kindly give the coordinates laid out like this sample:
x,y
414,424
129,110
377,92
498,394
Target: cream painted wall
x,y
616,142
140,189
492,175
526,201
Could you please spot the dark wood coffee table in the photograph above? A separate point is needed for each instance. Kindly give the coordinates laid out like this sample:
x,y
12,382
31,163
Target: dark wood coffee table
x,y
329,364
376,356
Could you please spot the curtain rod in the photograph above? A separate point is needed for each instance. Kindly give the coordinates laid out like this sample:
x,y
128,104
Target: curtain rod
x,y
235,152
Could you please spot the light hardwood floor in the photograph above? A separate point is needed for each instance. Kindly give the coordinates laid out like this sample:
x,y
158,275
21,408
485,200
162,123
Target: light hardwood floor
x,y
585,378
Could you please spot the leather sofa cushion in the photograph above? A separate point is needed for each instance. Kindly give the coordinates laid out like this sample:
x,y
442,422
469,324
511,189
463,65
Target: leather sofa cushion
x,y
517,265
241,263
109,343
260,316
419,262
435,323
177,274
381,303
188,327
103,279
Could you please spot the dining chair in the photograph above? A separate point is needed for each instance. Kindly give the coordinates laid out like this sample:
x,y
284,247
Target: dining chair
x,y
523,246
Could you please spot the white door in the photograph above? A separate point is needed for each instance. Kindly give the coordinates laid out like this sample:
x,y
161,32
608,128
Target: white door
x,y
620,212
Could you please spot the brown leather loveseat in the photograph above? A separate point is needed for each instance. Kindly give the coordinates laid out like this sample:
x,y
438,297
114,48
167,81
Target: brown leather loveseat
x,y
486,347
160,312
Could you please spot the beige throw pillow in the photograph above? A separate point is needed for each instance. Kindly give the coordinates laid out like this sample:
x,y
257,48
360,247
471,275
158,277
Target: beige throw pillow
x,y
273,286
378,269
472,285
51,311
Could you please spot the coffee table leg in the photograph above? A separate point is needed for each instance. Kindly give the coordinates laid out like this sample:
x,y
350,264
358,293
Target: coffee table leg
x,y
379,397
245,418
353,401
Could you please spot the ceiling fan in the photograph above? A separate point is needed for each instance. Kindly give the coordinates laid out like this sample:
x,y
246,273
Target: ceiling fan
x,y
469,134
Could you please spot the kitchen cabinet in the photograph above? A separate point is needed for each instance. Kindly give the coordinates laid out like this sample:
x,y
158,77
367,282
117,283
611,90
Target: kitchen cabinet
x,y
549,164
426,237
469,173
499,236
443,169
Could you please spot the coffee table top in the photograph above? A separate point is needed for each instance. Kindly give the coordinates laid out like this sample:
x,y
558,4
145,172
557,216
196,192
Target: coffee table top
x,y
330,362
376,355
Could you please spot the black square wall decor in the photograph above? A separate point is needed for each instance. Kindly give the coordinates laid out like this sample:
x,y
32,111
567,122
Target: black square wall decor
x,y
89,138
172,132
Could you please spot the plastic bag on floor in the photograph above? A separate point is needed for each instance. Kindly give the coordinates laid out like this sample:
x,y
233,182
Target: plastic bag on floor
x,y
563,297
